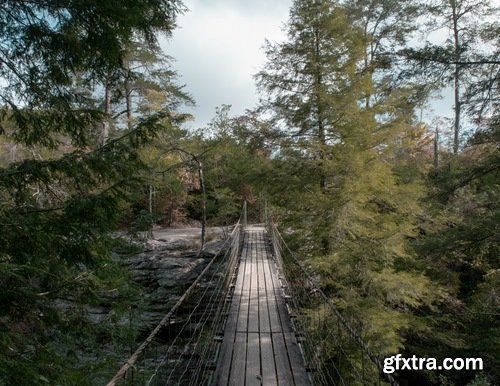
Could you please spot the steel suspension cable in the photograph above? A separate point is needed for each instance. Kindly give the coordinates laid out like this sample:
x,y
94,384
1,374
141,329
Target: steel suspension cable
x,y
201,299
129,365
280,248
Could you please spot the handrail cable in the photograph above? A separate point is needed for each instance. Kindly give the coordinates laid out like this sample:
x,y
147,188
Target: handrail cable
x,y
130,363
205,312
231,277
186,323
277,240
298,329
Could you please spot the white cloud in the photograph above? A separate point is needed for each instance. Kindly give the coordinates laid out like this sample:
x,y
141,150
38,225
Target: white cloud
x,y
218,47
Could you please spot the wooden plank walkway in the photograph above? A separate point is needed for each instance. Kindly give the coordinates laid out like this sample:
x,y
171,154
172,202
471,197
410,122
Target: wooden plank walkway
x,y
259,345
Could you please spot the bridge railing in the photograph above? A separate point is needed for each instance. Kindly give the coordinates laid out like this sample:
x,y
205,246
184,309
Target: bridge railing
x,y
184,346
334,352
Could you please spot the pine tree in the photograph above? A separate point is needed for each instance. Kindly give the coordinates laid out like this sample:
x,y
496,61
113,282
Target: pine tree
x,y
386,25
60,196
306,76
307,80
456,13
149,87
459,245
365,207
463,58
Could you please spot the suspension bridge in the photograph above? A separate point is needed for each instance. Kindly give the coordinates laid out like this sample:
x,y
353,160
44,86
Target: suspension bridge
x,y
254,316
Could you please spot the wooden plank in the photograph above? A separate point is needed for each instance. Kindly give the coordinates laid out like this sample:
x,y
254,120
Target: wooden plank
x,y
253,374
283,371
259,346
253,303
294,357
264,320
225,360
275,324
242,324
274,319
296,361
238,364
283,367
284,317
267,358
253,313
234,308
263,257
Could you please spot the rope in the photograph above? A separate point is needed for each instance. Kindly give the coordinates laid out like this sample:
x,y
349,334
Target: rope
x,y
130,364
208,310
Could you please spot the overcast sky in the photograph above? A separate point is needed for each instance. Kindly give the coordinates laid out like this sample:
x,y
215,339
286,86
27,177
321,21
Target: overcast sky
x,y
217,48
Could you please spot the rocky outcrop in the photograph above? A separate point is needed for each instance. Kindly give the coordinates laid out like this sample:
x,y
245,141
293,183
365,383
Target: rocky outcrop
x,y
164,271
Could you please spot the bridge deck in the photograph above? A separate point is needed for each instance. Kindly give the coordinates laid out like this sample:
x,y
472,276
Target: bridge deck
x,y
259,345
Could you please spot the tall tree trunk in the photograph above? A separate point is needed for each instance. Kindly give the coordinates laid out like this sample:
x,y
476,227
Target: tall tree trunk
x,y
128,96
456,77
107,110
152,223
203,205
129,108
367,59
319,111
325,240
456,131
436,149
201,181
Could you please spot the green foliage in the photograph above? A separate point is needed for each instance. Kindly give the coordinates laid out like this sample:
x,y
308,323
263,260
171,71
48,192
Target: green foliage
x,y
408,252
460,247
60,195
480,381
349,189
468,58
306,76
233,153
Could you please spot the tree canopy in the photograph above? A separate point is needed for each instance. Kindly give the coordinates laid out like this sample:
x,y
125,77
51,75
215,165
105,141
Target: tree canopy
x,y
400,230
